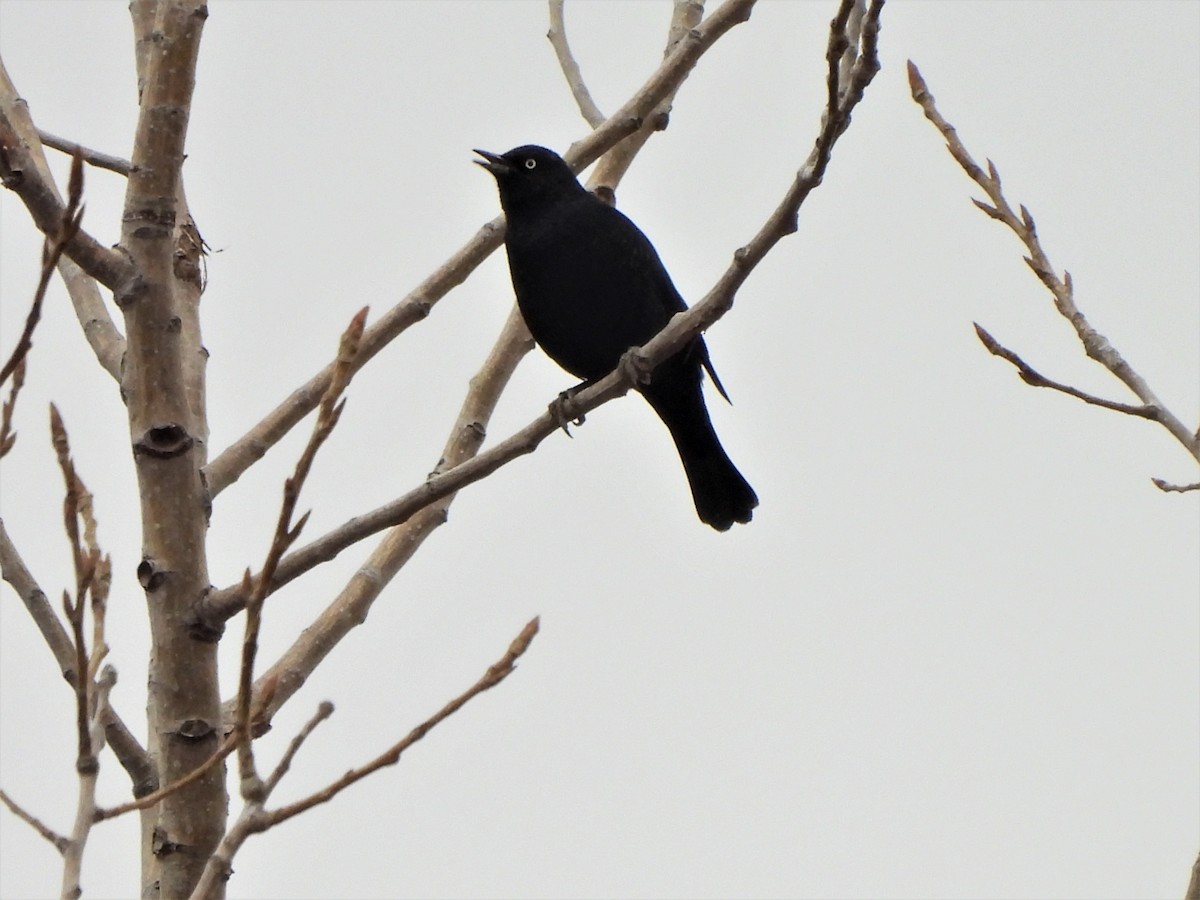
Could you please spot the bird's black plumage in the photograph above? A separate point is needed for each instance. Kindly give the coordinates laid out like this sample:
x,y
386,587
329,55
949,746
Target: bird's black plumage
x,y
590,285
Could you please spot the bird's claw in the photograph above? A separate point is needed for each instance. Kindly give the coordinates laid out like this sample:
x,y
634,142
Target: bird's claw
x,y
634,366
560,411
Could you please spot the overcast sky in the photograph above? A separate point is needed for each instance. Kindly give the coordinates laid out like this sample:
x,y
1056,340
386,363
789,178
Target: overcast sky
x,y
957,652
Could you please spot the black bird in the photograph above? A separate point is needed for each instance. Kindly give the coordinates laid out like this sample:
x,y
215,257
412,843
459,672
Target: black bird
x,y
590,286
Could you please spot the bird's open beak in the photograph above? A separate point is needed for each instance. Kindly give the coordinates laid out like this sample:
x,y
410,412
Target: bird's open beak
x,y
493,162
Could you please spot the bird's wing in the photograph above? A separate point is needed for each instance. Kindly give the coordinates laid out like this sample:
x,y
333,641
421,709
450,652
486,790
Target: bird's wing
x,y
702,348
673,303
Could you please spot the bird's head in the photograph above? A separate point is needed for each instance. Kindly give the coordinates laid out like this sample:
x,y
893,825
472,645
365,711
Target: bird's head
x,y
529,176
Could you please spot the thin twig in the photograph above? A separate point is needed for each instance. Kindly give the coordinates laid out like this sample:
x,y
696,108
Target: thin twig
x,y
685,15
285,535
77,503
682,329
129,751
1031,376
557,35
19,173
1168,488
8,437
52,250
58,840
352,604
23,168
91,157
75,610
1095,345
495,674
92,576
151,799
324,711
254,819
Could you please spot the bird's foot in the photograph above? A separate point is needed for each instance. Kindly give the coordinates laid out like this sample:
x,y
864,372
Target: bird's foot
x,y
635,367
560,410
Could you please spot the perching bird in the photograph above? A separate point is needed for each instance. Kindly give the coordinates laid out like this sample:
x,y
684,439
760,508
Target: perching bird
x,y
590,286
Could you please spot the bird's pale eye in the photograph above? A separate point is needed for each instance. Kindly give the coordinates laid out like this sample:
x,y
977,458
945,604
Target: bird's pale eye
x,y
531,163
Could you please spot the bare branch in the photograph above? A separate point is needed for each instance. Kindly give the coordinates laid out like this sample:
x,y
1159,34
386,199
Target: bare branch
x,y
285,535
23,167
324,711
88,768
1095,345
85,758
349,609
59,842
685,16
15,572
52,251
129,751
8,437
91,157
248,449
154,797
77,505
130,754
495,674
255,819
557,35
20,173
663,83
1031,376
1167,488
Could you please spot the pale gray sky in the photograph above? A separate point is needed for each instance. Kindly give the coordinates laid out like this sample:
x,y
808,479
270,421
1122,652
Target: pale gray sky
x,y
956,654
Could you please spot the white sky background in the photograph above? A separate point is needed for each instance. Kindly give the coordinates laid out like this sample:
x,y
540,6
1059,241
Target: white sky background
x,y
956,654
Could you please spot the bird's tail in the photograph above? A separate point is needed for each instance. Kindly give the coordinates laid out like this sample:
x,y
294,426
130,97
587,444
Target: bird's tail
x,y
722,496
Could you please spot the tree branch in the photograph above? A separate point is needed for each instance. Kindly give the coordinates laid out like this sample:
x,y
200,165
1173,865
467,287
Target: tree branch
x,y
1167,488
349,609
8,437
255,819
1030,376
91,157
324,711
148,800
495,674
557,35
14,571
253,788
612,167
58,840
52,250
23,168
129,751
1095,345
18,172
88,768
